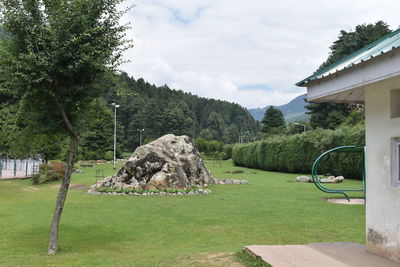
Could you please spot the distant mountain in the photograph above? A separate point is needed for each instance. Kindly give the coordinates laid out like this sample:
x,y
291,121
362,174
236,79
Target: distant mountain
x,y
293,111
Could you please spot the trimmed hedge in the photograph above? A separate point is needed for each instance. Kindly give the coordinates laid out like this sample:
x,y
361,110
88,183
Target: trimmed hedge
x,y
296,153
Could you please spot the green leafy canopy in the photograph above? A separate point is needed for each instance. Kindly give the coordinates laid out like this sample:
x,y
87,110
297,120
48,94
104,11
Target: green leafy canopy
x,y
55,52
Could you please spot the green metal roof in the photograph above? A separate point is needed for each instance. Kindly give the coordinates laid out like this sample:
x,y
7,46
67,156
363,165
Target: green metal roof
x,y
379,47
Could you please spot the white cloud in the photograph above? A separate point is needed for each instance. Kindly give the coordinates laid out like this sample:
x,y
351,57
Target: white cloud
x,y
213,47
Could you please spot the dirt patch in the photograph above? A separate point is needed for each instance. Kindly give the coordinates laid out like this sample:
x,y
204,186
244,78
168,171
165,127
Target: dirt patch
x,y
73,186
78,186
30,189
221,259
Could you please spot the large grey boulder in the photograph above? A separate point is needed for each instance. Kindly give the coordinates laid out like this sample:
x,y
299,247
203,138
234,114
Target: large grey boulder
x,y
168,162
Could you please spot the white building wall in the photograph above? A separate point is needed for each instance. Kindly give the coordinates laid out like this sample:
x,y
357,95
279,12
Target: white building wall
x,y
383,199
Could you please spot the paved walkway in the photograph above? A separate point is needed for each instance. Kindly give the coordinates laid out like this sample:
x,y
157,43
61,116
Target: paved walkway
x,y
340,254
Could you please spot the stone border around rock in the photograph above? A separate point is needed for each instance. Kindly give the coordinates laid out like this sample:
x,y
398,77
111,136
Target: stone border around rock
x,y
190,193
230,181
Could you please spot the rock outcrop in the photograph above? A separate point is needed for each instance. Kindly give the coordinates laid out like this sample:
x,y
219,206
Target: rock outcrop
x,y
168,162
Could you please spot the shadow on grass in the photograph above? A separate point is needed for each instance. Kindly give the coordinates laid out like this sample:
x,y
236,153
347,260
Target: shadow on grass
x,y
83,238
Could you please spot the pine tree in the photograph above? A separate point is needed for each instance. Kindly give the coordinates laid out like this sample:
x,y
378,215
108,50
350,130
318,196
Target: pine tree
x,y
273,121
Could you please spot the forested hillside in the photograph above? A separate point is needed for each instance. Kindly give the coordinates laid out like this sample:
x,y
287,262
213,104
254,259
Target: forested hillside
x,y
161,110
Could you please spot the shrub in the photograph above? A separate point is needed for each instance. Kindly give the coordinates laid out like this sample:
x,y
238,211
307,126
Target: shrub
x,y
52,171
296,153
228,151
209,147
109,155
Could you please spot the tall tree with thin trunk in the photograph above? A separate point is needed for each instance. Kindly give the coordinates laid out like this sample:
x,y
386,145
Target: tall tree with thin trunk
x,y
53,54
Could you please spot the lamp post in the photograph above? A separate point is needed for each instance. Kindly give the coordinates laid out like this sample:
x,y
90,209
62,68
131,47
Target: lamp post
x,y
140,136
304,127
241,136
115,129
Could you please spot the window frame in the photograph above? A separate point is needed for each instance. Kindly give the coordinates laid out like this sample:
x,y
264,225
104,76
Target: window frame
x,y
396,162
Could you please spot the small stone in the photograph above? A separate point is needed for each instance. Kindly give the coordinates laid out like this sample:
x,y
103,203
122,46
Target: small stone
x,y
244,182
200,191
162,193
228,182
303,179
191,193
324,180
236,182
337,179
179,193
208,191
221,182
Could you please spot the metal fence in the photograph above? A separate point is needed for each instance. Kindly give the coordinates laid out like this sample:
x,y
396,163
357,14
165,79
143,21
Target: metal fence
x,y
19,168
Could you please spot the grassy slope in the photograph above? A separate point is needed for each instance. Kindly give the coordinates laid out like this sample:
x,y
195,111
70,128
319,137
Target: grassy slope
x,y
156,230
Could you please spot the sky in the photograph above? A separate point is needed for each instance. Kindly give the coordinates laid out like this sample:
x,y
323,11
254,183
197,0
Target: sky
x,y
248,52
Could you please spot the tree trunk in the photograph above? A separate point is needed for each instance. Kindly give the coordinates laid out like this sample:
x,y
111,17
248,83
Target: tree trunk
x,y
62,193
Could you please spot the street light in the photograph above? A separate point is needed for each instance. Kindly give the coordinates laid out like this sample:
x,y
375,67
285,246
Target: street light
x,y
241,136
304,127
115,128
140,136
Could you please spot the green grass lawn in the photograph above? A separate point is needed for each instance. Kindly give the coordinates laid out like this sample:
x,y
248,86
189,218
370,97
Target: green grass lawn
x,y
170,230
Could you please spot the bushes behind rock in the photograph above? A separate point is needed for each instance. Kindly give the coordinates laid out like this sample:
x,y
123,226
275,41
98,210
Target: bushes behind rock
x,y
214,149
52,171
296,153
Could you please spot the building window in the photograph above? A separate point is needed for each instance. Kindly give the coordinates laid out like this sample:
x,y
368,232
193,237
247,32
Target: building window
x,y
396,162
395,103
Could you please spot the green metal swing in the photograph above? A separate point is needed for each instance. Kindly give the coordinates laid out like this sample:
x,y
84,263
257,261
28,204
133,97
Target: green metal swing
x,y
316,180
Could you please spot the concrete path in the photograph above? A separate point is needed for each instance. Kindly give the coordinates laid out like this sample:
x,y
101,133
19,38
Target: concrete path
x,y
340,254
